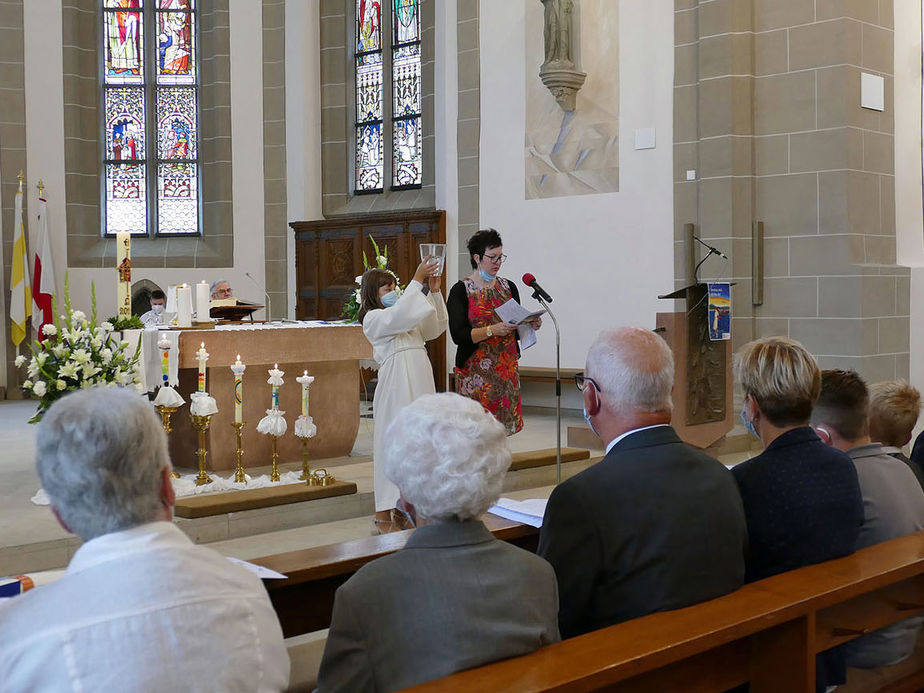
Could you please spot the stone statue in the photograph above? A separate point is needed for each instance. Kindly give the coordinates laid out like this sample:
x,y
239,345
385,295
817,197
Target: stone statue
x,y
558,72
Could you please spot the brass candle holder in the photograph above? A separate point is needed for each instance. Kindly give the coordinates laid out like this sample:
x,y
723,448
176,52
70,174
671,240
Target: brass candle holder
x,y
306,472
274,474
201,424
239,476
165,414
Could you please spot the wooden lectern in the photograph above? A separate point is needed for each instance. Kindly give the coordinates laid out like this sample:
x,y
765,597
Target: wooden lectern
x,y
703,406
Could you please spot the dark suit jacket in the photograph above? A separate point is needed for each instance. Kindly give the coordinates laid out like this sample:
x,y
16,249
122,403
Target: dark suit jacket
x,y
454,598
802,502
655,525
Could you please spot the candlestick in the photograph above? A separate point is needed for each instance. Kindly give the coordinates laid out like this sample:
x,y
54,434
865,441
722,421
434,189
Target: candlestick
x,y
203,357
238,369
124,269
239,475
183,306
201,424
202,301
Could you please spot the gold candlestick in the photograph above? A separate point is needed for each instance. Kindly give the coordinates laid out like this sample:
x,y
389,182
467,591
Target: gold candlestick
x,y
306,472
239,472
274,474
165,413
202,425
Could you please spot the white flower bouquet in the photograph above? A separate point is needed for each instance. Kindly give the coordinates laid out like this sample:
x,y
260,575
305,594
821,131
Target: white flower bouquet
x,y
75,353
351,307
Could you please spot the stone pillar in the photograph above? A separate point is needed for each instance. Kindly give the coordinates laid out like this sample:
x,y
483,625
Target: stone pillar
x,y
779,136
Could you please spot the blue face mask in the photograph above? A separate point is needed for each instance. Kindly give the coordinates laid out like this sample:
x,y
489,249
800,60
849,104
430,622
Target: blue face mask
x,y
487,277
748,424
389,299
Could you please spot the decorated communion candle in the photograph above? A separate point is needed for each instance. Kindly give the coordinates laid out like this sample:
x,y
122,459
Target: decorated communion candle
x,y
203,356
305,381
238,369
276,378
164,345
202,301
124,270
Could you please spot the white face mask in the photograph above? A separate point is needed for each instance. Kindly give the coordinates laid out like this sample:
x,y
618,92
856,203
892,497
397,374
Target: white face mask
x,y
158,309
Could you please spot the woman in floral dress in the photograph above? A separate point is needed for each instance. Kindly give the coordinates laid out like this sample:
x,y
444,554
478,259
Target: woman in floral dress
x,y
486,357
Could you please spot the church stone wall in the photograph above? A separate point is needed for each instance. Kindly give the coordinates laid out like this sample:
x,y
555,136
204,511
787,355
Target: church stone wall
x,y
767,112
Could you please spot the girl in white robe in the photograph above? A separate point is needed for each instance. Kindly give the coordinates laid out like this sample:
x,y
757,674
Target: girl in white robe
x,y
397,334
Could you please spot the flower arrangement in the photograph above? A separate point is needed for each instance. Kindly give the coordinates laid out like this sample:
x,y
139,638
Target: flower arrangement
x,y
75,354
351,307
132,322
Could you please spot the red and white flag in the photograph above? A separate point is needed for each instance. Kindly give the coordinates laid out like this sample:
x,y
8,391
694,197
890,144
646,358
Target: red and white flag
x,y
43,274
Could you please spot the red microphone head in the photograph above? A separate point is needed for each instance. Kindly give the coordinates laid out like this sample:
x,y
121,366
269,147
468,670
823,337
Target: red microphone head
x,y
528,279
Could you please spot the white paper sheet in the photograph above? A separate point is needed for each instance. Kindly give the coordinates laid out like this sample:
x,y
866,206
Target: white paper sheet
x,y
258,570
529,512
515,314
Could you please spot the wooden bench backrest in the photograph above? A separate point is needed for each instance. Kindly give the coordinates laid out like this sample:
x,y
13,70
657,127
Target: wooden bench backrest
x,y
767,632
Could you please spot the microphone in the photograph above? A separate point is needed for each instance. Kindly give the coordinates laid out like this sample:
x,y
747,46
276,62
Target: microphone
x,y
531,282
712,250
250,277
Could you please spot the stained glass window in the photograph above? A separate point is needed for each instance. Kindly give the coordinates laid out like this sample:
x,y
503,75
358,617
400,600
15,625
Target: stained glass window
x,y
401,122
152,124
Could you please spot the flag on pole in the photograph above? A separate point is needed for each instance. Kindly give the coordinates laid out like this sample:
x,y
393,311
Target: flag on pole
x,y
43,274
20,292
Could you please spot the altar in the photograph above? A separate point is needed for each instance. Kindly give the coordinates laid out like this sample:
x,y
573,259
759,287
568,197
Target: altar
x,y
329,352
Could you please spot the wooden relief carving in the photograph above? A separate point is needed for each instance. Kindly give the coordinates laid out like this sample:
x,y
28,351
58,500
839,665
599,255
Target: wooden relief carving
x,y
340,261
705,364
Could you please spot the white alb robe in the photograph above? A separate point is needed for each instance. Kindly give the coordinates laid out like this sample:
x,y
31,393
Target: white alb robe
x,y
397,335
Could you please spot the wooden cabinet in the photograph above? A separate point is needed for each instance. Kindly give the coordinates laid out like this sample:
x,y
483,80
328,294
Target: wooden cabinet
x,y
329,257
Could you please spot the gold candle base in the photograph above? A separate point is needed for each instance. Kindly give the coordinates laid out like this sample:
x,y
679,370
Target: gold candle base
x,y
239,476
202,425
274,474
306,472
165,414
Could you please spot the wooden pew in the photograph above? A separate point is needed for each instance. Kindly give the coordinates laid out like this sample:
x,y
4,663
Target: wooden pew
x,y
767,632
304,601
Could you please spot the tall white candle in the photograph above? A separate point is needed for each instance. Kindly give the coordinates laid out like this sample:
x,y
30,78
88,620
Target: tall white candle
x,y
202,301
203,356
305,381
124,269
238,369
183,306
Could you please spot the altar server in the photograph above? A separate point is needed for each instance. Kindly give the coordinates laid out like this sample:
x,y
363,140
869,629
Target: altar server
x,y
397,327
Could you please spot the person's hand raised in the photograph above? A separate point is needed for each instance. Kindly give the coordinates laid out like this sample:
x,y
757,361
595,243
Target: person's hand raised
x,y
427,268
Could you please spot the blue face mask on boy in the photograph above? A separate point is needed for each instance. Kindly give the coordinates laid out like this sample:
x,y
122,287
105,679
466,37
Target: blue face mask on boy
x,y
389,299
748,424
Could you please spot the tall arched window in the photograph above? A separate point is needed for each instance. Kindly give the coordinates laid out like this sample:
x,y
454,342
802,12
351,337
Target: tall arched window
x,y
374,23
151,117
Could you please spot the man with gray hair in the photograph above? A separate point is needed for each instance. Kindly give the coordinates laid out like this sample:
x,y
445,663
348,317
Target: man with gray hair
x,y
454,597
657,524
140,607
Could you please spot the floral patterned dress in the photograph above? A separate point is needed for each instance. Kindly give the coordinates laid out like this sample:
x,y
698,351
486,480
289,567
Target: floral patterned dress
x,y
491,376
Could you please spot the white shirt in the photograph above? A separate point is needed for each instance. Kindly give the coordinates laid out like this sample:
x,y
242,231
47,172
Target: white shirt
x,y
144,610
629,433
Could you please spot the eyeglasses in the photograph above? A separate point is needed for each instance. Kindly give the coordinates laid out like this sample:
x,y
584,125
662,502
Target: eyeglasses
x,y
499,259
580,379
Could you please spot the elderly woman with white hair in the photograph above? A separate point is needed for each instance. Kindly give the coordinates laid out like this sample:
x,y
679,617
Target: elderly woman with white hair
x,y
454,597
138,597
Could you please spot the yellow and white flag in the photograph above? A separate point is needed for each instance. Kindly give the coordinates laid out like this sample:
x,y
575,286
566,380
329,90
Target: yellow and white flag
x,y
20,291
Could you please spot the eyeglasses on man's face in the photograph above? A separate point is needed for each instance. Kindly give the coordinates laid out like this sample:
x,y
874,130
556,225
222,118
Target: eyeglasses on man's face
x,y
580,379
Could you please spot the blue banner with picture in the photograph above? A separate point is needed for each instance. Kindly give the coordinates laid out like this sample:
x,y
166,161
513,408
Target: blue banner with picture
x,y
719,311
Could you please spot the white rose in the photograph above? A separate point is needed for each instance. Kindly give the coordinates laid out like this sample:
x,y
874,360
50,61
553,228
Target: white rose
x,y
79,315
106,355
106,326
19,361
39,389
49,330
61,385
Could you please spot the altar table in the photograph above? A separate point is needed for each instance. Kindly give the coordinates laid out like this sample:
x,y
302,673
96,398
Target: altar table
x,y
330,353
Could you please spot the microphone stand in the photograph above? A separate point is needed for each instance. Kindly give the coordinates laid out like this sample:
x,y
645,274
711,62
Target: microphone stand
x,y
557,384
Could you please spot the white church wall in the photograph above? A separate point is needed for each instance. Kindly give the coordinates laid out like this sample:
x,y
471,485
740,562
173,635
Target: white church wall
x,y
45,154
909,224
603,257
